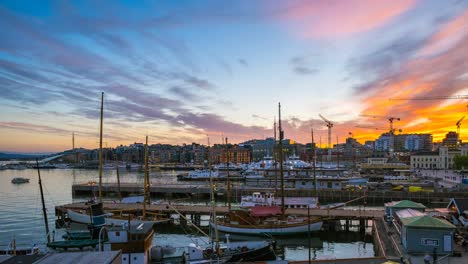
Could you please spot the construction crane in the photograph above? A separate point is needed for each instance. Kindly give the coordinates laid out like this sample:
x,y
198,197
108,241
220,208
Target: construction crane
x,y
380,128
389,118
458,124
443,97
329,124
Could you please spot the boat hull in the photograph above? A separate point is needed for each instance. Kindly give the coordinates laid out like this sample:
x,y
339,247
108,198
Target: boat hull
x,y
269,230
259,254
86,219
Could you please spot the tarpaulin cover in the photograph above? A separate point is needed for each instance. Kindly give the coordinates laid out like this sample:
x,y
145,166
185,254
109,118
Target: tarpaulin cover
x,y
265,210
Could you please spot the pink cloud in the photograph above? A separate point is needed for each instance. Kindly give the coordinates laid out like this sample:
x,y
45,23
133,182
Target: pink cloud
x,y
335,18
448,35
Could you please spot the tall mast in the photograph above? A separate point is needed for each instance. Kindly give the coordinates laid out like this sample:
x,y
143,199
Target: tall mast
x,y
118,181
100,148
213,204
281,136
146,180
313,160
228,178
44,211
275,157
73,146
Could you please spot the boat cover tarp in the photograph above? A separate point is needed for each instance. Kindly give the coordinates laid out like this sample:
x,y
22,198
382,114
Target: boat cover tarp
x,y
258,211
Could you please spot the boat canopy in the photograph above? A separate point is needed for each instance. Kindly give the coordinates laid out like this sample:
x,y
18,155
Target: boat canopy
x,y
258,211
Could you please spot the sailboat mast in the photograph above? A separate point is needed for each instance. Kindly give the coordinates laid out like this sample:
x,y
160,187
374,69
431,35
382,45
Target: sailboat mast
x,y
281,137
313,160
44,211
228,178
73,146
146,180
100,148
118,181
275,157
213,204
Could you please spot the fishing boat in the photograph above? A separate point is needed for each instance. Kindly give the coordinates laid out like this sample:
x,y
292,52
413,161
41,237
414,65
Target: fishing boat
x,y
268,220
269,199
19,180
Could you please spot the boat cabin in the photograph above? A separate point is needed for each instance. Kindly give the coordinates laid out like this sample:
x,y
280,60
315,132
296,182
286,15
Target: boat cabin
x,y
134,240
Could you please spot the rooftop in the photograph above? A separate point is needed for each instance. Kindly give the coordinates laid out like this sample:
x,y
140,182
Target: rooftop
x,y
426,222
405,204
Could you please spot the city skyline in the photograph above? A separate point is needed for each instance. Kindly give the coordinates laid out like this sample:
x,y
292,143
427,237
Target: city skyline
x,y
181,71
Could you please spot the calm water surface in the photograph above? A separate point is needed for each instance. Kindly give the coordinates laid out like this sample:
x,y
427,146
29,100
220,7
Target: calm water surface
x,y
21,214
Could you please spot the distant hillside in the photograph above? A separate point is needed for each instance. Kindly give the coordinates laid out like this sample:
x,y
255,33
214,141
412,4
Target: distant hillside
x,y
20,156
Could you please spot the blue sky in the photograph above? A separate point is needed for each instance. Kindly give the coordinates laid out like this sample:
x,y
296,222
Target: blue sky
x,y
180,70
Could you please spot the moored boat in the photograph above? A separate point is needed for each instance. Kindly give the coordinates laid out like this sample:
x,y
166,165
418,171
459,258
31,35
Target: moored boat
x,y
19,180
110,219
267,220
199,175
269,199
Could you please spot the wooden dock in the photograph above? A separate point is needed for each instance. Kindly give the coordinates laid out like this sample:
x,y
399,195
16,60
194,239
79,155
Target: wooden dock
x,y
203,190
166,208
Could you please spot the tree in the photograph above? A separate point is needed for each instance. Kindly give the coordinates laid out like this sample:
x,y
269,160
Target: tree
x,y
460,162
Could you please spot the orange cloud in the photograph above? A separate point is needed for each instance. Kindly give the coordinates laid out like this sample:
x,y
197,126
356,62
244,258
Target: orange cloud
x,y
336,18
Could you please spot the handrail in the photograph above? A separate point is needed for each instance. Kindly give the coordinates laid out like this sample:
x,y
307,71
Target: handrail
x,y
443,257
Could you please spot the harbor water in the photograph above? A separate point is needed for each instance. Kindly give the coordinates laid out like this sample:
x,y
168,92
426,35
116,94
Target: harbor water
x,y
21,215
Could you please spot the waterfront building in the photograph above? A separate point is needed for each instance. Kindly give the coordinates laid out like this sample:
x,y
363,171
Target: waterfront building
x,y
441,159
421,234
262,148
237,154
383,164
416,142
383,142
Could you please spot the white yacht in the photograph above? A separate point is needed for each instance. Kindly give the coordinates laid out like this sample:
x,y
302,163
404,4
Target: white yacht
x,y
269,199
267,163
294,163
199,175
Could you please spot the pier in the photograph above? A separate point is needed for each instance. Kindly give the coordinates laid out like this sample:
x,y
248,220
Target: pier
x,y
168,209
202,190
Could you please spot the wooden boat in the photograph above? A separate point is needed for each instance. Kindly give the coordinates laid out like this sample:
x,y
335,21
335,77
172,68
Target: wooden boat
x,y
109,218
267,220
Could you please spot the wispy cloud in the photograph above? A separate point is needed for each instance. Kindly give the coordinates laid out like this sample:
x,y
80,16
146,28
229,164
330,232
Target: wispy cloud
x,y
328,19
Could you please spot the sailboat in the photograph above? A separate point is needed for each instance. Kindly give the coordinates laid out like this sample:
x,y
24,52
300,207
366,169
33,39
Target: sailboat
x,y
268,220
83,217
237,251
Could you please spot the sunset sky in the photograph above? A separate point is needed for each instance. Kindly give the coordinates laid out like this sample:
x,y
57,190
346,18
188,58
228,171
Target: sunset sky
x,y
181,70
